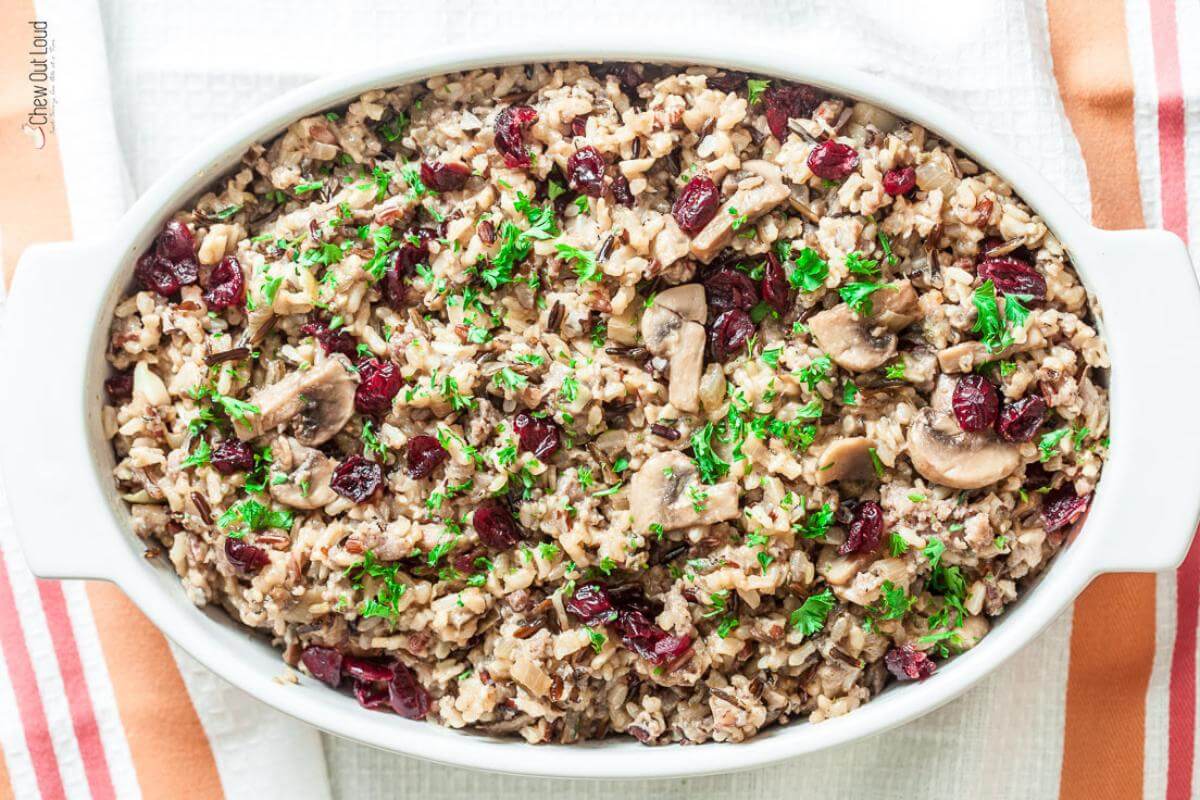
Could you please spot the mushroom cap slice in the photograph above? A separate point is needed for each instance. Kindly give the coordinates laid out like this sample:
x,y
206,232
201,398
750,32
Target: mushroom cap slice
x,y
851,341
308,472
660,329
318,402
895,308
667,491
687,365
666,333
847,458
688,300
944,453
758,193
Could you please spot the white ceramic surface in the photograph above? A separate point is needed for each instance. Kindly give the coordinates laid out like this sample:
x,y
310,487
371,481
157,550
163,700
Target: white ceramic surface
x,y
56,462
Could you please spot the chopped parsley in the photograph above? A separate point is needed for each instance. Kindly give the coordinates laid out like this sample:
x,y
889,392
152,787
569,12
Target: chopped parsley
x,y
996,331
254,516
862,266
849,393
895,371
817,523
508,378
755,89
1048,444
586,268
712,467
200,457
857,295
810,617
810,271
815,372
386,601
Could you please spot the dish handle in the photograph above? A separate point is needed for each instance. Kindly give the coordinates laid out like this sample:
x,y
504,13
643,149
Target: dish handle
x,y
1149,504
49,470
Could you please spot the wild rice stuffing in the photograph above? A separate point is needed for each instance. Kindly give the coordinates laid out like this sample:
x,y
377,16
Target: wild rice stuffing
x,y
573,400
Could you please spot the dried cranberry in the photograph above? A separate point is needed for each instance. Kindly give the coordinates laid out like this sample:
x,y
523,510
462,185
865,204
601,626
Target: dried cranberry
x,y
976,403
728,288
444,176
696,204
832,160
585,171
495,525
370,695
730,333
324,663
900,181
537,436
175,242
356,478
591,604
1019,421
782,103
1062,507
866,529
171,265
908,664
1013,276
245,557
119,386
408,698
379,384
331,341
226,285
579,125
425,453
510,134
414,250
648,640
364,669
232,455
631,597
621,193
774,284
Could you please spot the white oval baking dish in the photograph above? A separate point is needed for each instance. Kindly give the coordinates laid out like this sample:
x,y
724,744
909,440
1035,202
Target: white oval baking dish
x,y
56,461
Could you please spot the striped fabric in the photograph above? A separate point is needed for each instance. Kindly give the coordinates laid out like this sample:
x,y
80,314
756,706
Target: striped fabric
x,y
94,703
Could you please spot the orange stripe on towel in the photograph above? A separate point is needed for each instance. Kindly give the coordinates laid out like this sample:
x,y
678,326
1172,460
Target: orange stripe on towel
x,y
169,747
6,790
1112,638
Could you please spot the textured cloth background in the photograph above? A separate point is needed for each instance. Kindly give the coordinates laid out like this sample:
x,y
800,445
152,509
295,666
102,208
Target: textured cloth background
x,y
174,72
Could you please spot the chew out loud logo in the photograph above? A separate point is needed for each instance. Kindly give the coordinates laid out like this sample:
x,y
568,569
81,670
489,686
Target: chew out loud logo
x,y
39,119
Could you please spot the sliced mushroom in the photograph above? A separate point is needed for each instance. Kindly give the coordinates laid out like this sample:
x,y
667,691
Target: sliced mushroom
x,y
846,459
318,402
861,344
688,301
895,309
756,194
667,491
680,339
944,453
307,472
852,342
